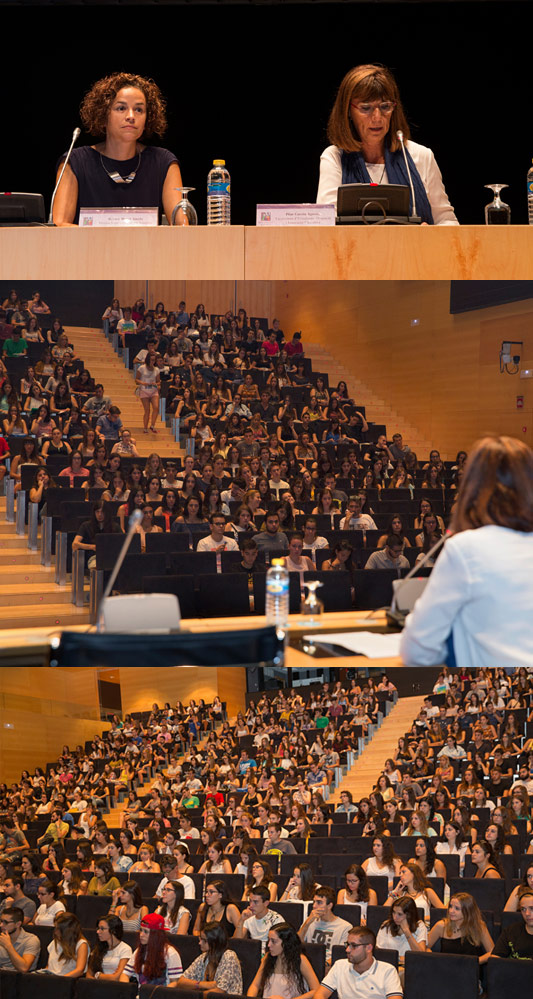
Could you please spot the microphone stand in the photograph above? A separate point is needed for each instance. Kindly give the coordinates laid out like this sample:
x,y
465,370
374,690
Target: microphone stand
x,y
135,519
414,218
75,136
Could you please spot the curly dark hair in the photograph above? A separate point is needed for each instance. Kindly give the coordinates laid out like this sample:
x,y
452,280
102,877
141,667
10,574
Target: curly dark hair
x,y
96,104
292,954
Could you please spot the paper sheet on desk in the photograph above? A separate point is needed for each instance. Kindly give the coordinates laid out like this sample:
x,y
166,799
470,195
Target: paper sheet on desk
x,y
368,643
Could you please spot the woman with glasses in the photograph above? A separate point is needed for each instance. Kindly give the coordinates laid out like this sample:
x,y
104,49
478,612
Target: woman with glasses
x,y
217,908
363,129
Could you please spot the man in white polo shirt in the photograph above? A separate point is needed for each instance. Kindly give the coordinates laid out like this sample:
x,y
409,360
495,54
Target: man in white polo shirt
x,y
359,975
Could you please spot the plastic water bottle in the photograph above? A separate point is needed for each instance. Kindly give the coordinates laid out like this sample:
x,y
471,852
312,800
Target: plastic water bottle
x,y
277,594
530,195
218,194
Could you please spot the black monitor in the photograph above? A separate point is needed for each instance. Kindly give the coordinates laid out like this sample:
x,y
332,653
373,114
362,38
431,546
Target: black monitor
x,y
21,208
368,204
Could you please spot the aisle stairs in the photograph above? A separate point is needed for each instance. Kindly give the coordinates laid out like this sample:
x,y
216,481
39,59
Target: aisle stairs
x,y
108,368
362,776
29,597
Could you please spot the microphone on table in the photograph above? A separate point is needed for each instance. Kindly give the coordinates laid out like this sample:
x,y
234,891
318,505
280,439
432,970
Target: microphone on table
x,y
413,217
75,136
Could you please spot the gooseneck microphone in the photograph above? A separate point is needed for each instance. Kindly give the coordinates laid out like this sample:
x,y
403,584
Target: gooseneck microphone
x,y
75,136
413,216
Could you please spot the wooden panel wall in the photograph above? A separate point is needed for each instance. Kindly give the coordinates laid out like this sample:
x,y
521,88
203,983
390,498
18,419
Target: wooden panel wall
x,y
441,374
232,687
41,709
217,296
142,687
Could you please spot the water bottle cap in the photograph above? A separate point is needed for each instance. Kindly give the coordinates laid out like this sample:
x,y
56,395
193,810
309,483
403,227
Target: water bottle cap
x,y
278,561
219,162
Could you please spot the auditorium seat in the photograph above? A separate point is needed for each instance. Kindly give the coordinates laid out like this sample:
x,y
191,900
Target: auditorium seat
x,y
45,986
440,975
490,894
90,908
91,988
220,596
335,592
292,912
508,977
166,543
9,982
181,586
233,882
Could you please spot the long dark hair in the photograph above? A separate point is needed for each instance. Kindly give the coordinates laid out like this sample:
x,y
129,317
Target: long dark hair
x,y
101,947
292,956
408,906
217,941
172,913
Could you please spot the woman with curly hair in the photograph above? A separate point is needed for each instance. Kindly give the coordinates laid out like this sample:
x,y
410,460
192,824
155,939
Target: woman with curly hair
x,y
119,170
284,970
414,883
383,860
260,874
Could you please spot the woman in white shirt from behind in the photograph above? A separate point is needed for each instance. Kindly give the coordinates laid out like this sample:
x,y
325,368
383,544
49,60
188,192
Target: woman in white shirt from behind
x,y
110,954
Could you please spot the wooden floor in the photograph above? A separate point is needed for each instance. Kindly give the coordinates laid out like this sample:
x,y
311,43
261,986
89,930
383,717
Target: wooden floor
x,y
29,597
362,777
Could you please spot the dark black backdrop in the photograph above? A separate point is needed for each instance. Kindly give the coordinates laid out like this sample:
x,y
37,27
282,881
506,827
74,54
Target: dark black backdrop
x,y
255,84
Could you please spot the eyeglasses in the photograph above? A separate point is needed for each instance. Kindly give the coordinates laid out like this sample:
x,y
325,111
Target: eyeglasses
x,y
384,107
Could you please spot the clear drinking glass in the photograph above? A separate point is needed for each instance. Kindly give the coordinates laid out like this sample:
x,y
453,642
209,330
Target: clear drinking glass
x,y
312,608
184,213
497,212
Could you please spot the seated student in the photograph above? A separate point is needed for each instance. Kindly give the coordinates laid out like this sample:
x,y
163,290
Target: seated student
x,y
403,930
355,519
69,951
517,940
19,950
176,916
390,557
49,904
272,539
15,897
285,970
154,961
322,925
296,562
110,954
257,918
311,540
464,930
360,970
217,540
217,968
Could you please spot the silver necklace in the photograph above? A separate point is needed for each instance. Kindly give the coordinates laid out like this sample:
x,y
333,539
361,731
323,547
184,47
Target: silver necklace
x,y
116,177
